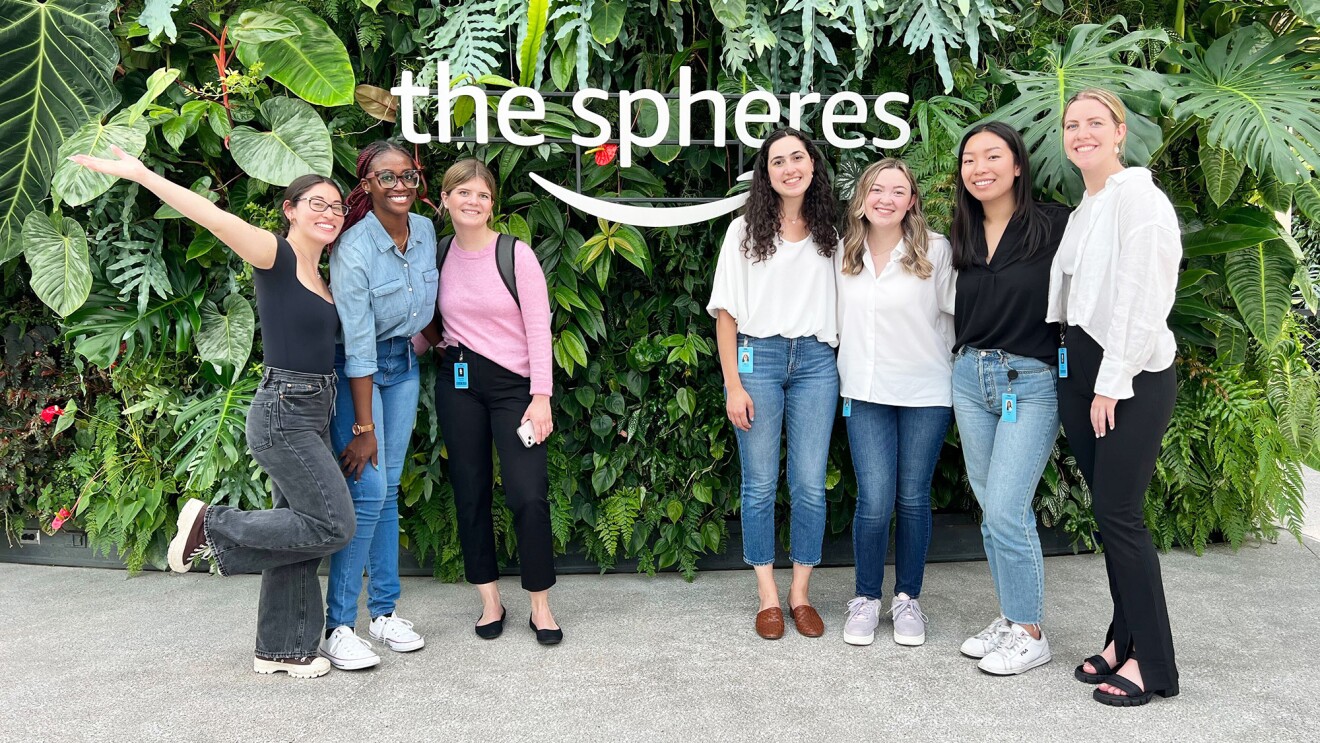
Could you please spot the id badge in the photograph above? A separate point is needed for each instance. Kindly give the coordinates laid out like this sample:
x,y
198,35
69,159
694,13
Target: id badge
x,y
1008,408
745,363
461,375
1063,363
847,407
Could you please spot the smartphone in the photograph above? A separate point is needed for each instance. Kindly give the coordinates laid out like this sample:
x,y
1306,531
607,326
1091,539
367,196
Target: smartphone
x,y
528,434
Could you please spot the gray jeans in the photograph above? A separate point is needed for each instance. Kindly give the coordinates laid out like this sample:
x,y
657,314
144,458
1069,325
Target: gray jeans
x,y
288,432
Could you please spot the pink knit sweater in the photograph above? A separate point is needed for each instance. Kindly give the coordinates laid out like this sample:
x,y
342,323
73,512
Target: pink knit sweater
x,y
480,314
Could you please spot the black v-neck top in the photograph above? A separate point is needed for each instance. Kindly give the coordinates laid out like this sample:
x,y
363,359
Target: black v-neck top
x,y
297,325
1002,305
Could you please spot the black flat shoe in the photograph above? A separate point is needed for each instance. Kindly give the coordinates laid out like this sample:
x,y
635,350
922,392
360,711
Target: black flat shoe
x,y
1102,670
1133,696
546,636
494,629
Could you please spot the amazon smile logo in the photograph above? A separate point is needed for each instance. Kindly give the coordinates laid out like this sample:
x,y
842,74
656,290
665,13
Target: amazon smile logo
x,y
755,107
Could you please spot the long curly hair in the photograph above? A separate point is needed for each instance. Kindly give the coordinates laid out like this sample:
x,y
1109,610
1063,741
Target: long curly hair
x,y
358,202
916,231
762,213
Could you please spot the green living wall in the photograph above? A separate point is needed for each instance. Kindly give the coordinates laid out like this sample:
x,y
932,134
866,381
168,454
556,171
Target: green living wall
x,y
128,334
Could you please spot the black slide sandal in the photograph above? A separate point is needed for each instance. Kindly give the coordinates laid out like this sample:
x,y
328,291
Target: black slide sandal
x,y
1102,670
1135,696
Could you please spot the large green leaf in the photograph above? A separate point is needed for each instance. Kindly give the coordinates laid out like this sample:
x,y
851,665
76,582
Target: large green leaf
x,y
297,144
58,58
1307,198
210,427
1222,172
226,337
314,64
1260,280
607,19
1256,98
1089,58
261,26
57,254
77,185
529,49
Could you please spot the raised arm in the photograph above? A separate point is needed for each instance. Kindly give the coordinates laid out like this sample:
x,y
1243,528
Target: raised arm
x,y
251,243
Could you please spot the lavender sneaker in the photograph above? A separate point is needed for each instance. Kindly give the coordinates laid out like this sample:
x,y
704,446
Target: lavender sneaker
x,y
863,616
909,621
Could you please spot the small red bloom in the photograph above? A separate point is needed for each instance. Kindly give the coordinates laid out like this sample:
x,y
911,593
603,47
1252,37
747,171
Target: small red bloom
x,y
51,413
59,519
606,154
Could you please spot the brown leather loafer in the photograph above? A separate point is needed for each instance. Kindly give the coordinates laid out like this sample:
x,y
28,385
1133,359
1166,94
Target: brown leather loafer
x,y
770,623
808,621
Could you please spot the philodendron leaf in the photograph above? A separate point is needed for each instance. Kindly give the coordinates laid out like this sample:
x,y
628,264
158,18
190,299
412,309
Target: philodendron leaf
x,y
1260,280
297,144
159,81
56,251
255,26
607,19
314,64
1222,172
58,60
158,17
77,185
226,338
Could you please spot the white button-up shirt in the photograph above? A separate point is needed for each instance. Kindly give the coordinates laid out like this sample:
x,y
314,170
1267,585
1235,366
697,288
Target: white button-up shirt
x,y
896,330
1116,275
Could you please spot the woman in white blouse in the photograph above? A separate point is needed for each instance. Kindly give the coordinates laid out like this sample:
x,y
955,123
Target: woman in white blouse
x,y
896,289
774,303
1112,285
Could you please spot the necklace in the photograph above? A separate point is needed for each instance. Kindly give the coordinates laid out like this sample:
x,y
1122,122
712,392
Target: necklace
x,y
794,222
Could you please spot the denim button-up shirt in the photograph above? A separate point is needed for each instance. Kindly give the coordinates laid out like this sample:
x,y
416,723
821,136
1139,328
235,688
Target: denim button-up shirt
x,y
380,292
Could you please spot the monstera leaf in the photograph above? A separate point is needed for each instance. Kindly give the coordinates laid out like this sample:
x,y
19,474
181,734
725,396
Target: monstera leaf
x,y
1257,98
1089,58
313,63
58,58
297,144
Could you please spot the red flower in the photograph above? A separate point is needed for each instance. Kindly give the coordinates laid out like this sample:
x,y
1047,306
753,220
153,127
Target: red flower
x,y
59,519
51,413
606,154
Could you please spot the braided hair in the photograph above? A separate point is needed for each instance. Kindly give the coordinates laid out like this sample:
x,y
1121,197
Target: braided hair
x,y
358,202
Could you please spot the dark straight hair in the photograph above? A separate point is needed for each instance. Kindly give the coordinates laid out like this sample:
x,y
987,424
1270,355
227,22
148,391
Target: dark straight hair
x,y
301,185
967,234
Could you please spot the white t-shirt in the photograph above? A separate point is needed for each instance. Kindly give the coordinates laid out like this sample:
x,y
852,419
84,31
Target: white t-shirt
x,y
896,330
790,294
1116,275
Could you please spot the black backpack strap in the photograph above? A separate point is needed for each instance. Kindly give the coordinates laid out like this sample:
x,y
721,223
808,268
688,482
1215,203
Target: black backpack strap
x,y
504,258
442,250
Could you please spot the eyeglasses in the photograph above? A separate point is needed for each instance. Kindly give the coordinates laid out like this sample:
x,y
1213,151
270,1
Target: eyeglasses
x,y
319,204
389,179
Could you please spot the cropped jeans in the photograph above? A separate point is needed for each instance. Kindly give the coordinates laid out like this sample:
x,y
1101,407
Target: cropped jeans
x,y
288,433
375,548
794,383
1004,464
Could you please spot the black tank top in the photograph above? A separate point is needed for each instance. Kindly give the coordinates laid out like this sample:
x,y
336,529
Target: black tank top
x,y
297,326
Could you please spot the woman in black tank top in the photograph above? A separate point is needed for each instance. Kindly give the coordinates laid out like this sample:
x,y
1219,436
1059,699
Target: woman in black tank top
x,y
287,423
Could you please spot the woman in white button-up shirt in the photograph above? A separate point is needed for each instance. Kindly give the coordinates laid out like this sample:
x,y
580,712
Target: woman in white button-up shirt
x,y
896,288
1112,285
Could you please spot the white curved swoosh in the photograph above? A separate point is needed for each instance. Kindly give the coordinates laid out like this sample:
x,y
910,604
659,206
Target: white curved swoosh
x,y
643,216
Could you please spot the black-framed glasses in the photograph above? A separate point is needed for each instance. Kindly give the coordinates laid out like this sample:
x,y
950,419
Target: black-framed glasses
x,y
319,204
389,179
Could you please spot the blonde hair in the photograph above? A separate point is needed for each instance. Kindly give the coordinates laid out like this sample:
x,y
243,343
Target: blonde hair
x,y
1117,111
916,232
465,170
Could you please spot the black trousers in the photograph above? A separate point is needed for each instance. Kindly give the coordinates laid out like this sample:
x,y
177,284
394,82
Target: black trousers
x,y
491,409
1118,468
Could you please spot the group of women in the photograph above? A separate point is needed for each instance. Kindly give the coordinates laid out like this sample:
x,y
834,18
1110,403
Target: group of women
x,y
1026,316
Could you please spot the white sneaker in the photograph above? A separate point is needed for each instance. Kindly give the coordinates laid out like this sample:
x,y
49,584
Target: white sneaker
x,y
347,651
300,668
1017,653
909,621
980,644
396,633
863,616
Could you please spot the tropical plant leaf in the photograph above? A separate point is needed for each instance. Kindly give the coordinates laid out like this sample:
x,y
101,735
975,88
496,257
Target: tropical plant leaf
x,y
211,433
314,64
530,49
158,83
58,59
57,253
1255,97
226,337
1307,199
158,17
1089,58
377,102
607,19
470,39
105,321
1222,172
254,26
77,185
1260,280
297,144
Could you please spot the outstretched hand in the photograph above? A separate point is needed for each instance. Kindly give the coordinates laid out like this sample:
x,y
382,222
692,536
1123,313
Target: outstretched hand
x,y
124,166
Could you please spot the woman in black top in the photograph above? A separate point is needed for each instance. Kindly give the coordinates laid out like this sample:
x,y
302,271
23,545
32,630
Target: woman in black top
x,y
1004,379
287,424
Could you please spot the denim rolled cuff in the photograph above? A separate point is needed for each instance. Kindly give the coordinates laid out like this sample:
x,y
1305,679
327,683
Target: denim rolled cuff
x,y
217,550
356,366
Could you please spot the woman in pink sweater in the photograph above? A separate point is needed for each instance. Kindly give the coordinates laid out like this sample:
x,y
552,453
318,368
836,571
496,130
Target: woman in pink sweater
x,y
495,380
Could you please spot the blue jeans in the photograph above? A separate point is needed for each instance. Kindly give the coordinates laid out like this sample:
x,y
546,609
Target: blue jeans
x,y
894,450
1004,464
794,381
375,546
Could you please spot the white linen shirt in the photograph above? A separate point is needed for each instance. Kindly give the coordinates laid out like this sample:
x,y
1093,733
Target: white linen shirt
x,y
1115,276
896,330
790,294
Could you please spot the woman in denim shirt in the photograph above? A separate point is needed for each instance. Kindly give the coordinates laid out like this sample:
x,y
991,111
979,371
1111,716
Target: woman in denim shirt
x,y
385,280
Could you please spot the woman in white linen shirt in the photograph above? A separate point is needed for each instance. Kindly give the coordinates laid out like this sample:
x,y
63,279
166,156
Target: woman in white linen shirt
x,y
896,289
1112,285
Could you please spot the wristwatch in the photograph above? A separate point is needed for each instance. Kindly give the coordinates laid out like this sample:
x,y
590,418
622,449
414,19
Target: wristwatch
x,y
359,429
